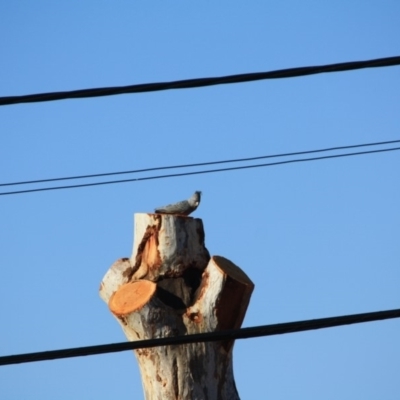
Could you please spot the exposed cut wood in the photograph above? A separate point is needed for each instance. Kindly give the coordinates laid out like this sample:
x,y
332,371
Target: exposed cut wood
x,y
131,297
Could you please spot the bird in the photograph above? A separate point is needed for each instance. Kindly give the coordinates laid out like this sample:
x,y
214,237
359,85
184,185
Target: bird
x,y
184,207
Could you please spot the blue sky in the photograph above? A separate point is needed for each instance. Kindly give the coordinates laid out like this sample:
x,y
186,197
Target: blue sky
x,y
318,239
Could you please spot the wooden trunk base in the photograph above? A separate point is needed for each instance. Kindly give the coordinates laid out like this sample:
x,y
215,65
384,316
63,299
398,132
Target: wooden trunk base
x,y
170,286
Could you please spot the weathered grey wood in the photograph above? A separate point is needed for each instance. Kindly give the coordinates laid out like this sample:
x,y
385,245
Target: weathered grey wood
x,y
170,286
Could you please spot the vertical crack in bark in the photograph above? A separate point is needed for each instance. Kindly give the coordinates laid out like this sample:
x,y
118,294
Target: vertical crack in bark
x,y
175,377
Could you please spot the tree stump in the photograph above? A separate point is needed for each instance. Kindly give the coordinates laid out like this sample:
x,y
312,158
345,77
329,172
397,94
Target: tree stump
x,y
169,287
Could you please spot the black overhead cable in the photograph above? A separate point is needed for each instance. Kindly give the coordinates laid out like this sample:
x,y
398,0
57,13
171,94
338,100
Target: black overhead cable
x,y
244,333
198,164
193,83
146,178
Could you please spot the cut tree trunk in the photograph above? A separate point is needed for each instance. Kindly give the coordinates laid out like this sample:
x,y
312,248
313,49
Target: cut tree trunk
x,y
169,287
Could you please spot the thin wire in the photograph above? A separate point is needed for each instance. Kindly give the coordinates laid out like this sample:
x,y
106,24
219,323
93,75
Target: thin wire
x,y
201,82
198,164
198,172
244,333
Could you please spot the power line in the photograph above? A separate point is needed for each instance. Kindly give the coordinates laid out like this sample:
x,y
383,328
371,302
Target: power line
x,y
244,333
198,164
198,172
201,82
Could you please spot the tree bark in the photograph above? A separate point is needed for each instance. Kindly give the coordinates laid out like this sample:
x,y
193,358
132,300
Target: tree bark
x,y
170,286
